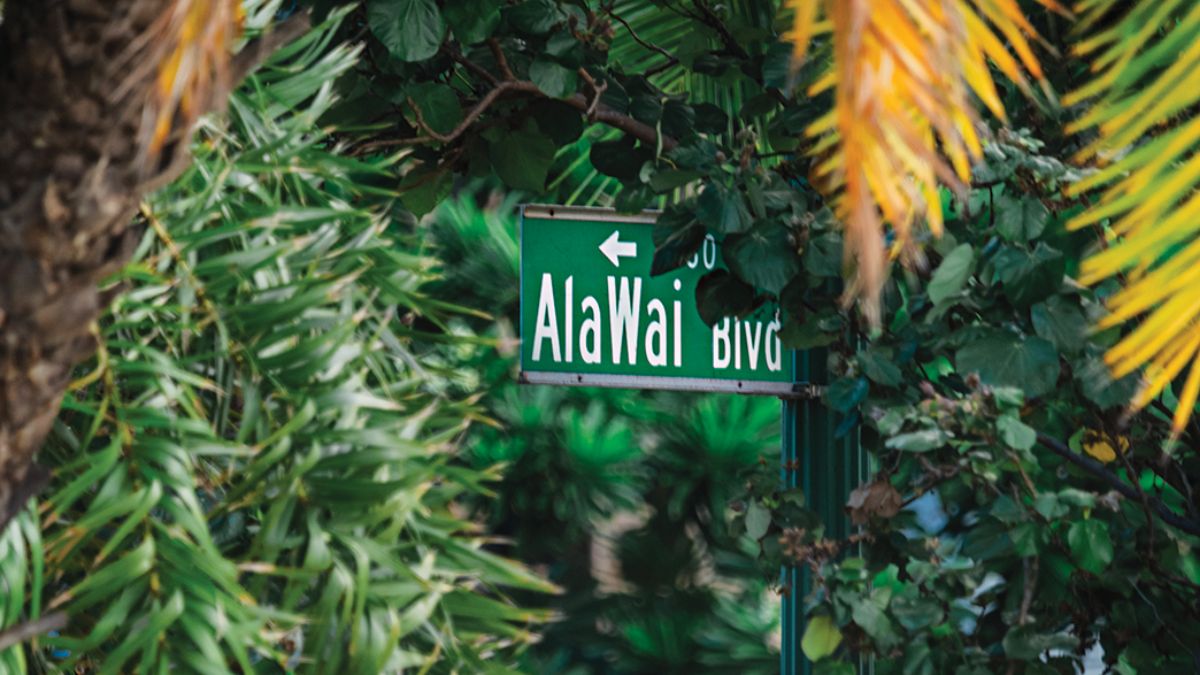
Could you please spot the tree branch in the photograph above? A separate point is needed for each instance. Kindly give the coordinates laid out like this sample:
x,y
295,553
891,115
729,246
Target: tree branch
x,y
596,110
671,60
1097,470
30,629
501,59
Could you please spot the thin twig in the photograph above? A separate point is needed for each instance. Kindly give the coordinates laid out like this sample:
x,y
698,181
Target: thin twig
x,y
1024,476
597,111
22,632
1097,470
597,91
1031,574
470,65
713,21
638,39
501,59
1137,483
470,118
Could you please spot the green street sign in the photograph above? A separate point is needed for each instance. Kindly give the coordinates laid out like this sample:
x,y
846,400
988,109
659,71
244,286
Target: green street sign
x,y
591,314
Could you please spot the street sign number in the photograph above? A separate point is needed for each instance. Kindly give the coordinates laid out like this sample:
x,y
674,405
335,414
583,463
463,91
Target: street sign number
x,y
592,315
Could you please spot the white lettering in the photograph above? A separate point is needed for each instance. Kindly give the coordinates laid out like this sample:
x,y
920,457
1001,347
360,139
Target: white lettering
x,y
720,343
678,336
623,317
753,342
547,321
657,327
569,324
710,244
737,344
774,364
590,349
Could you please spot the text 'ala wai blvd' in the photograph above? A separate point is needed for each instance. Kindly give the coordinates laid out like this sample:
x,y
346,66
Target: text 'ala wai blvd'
x,y
591,314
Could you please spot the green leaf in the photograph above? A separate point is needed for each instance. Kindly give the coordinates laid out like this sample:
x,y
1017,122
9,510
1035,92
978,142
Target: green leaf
x,y
844,393
1029,276
700,154
439,105
758,520
828,667
1049,507
710,119
823,256
665,181
1098,386
522,158
534,17
805,334
1020,219
421,191
558,120
918,659
552,79
870,614
620,159
951,276
915,612
1026,644
1015,433
678,120
1060,320
821,638
1091,546
919,441
723,210
778,70
1008,360
412,30
764,257
677,237
1025,539
719,294
876,363
472,21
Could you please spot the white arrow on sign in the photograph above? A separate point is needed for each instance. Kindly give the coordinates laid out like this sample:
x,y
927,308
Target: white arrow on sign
x,y
614,249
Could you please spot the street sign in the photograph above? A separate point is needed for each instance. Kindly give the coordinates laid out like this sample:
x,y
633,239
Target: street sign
x,y
591,314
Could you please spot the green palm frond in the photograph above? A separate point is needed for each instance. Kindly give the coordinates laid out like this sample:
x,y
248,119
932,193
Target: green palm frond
x,y
253,475
662,42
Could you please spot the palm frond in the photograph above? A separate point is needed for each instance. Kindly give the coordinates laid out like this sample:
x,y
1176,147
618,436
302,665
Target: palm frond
x,y
1141,110
903,121
254,474
187,52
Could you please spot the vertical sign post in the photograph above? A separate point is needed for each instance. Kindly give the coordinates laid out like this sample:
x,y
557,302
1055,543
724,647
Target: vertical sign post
x,y
827,467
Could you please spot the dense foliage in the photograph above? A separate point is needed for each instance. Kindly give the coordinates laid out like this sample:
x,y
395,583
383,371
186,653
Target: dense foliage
x,y
253,475
1067,522
243,471
1018,517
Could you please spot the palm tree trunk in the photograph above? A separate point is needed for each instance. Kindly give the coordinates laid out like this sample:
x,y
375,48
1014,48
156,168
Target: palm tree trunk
x,y
70,180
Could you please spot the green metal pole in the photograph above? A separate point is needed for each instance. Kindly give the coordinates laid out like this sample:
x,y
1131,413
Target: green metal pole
x,y
827,469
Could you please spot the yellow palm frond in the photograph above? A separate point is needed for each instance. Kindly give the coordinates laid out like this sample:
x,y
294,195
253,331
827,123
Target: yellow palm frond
x,y
903,119
1141,110
182,63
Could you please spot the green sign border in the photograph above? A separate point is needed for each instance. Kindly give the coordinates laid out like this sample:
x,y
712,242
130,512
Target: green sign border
x,y
666,382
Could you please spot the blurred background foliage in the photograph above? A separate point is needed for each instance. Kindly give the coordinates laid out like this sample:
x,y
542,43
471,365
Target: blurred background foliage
x,y
622,498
